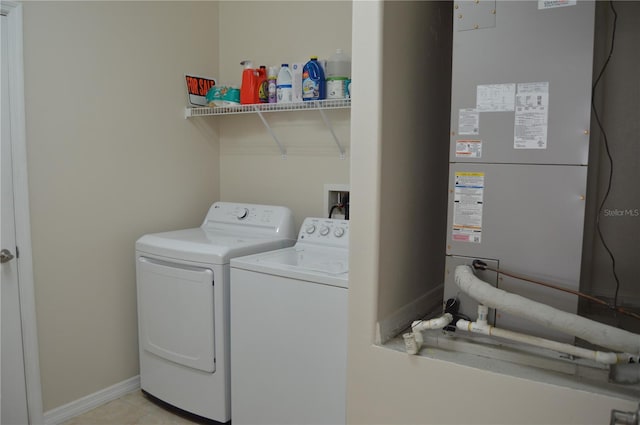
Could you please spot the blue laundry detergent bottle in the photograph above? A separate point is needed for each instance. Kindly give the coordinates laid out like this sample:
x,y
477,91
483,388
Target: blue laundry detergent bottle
x,y
313,84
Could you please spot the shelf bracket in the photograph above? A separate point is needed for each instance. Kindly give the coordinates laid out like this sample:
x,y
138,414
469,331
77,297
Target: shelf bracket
x,y
283,151
333,134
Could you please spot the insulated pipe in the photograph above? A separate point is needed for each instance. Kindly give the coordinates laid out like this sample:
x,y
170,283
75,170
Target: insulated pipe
x,y
545,315
485,329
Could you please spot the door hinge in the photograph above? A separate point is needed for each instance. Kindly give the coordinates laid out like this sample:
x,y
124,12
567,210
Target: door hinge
x,y
17,253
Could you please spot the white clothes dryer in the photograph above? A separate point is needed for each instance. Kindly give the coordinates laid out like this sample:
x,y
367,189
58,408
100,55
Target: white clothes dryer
x,y
183,302
289,330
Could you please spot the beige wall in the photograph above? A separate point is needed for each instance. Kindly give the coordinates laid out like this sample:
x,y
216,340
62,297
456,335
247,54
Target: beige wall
x,y
414,154
109,166
110,158
117,160
390,387
252,168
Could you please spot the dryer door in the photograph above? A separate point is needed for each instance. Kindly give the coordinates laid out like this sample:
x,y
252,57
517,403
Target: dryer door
x,y
175,311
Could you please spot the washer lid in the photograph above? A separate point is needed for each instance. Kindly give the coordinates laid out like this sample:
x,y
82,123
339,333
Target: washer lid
x,y
329,266
207,246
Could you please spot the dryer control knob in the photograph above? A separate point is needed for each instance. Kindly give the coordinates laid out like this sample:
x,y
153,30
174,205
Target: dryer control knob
x,y
324,230
310,228
339,232
244,213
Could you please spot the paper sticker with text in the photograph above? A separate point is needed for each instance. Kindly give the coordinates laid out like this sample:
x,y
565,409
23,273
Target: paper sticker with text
x,y
468,122
468,148
532,116
467,207
550,4
495,97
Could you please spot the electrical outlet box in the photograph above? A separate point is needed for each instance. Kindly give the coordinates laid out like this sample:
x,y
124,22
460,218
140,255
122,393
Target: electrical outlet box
x,y
336,194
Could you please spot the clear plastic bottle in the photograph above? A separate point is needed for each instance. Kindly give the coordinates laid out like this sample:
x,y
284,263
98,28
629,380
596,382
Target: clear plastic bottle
x,y
284,89
338,74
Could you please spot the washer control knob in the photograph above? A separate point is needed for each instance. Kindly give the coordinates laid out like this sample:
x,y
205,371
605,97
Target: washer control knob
x,y
338,232
243,213
310,229
324,230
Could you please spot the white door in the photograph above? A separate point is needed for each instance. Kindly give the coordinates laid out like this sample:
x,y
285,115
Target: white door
x,y
13,393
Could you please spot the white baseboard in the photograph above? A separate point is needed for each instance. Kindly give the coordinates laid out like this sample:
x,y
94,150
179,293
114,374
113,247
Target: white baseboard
x,y
64,413
393,324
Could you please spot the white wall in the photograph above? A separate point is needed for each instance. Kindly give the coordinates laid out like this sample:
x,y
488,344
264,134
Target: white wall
x,y
390,387
252,169
110,158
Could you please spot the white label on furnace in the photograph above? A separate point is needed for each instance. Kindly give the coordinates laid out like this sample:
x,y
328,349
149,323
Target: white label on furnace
x,y
467,207
550,4
468,122
495,97
531,117
468,148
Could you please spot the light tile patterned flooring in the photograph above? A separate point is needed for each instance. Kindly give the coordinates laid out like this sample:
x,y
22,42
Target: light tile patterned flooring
x,y
133,409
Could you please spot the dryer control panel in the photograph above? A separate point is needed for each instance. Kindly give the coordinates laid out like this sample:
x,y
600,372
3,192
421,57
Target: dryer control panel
x,y
325,231
267,220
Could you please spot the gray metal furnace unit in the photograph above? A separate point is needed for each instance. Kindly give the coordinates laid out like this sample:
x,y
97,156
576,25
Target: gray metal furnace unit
x,y
521,92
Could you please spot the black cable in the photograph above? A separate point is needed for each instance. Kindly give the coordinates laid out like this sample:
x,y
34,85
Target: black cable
x,y
345,203
606,145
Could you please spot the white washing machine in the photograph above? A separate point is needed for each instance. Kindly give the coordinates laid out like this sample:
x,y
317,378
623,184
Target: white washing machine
x,y
183,302
289,330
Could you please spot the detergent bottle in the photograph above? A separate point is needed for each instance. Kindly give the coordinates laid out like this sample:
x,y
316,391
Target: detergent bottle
x,y
249,87
313,84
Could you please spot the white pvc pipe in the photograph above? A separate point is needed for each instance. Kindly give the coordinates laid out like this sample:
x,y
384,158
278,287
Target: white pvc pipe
x,y
413,340
411,344
437,323
485,329
545,315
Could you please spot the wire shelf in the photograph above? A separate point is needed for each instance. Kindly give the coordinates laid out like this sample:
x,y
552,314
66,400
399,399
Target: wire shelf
x,y
268,107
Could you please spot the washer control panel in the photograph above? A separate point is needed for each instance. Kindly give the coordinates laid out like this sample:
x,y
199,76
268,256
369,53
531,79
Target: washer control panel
x,y
325,231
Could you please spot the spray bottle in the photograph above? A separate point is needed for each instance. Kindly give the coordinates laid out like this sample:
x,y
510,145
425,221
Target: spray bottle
x,y
271,81
263,85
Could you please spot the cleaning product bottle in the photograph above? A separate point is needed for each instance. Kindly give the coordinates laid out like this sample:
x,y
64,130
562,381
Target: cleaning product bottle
x,y
313,84
272,77
263,85
338,75
284,89
249,87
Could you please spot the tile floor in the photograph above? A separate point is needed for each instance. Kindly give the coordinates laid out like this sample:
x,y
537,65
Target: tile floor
x,y
134,409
